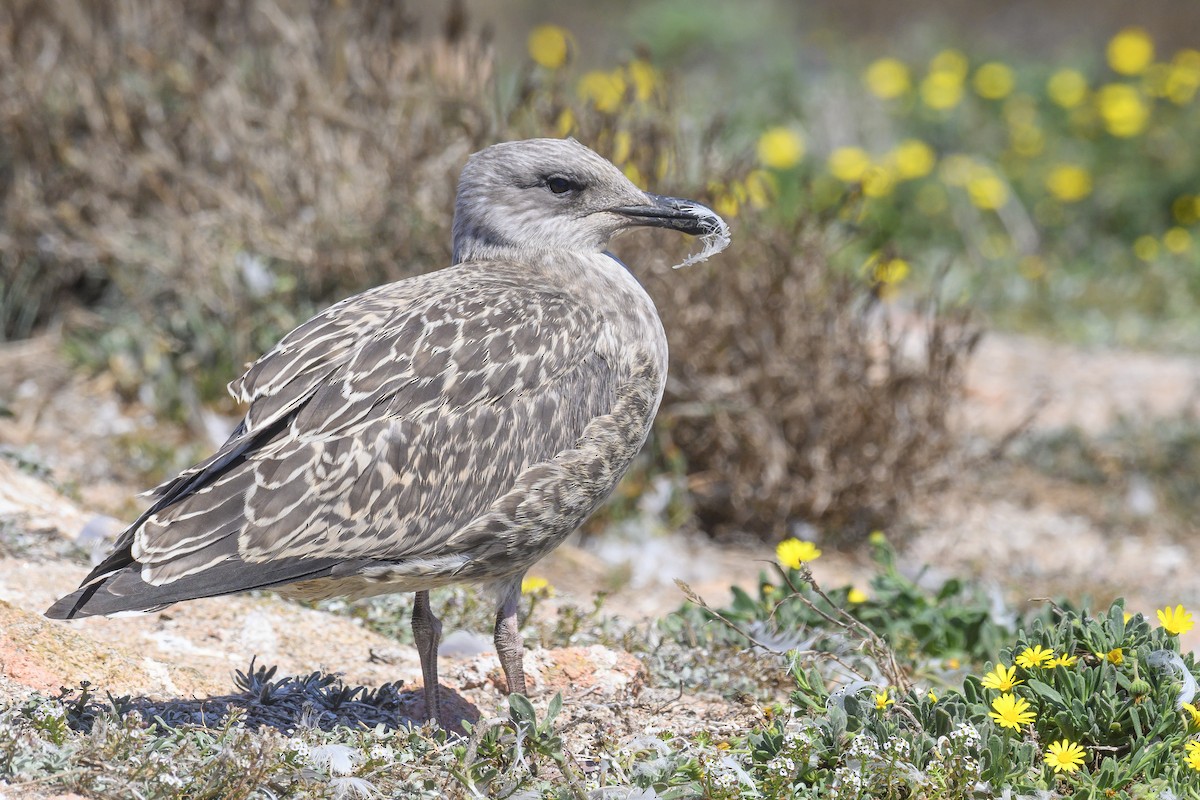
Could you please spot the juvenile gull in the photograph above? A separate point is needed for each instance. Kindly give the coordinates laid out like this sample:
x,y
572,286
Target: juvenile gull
x,y
451,427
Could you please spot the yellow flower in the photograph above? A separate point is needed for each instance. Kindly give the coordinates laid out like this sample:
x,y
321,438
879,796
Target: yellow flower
x,y
1064,661
941,90
565,123
887,78
952,61
933,698
531,584
913,159
1184,77
882,700
1069,183
987,190
726,200
635,175
1034,656
726,205
1011,711
856,596
993,81
1130,51
1193,715
1124,111
622,147
877,538
1064,756
794,552
1176,620
891,271
1178,240
1192,759
849,163
1186,209
1116,656
604,90
644,77
663,165
761,187
780,148
1027,140
1067,88
1146,248
1002,678
878,180
548,46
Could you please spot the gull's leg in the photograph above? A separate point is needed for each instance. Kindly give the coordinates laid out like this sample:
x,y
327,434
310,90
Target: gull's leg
x,y
427,633
509,645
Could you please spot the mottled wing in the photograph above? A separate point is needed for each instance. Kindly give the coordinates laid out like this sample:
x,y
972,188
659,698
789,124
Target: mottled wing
x,y
373,434
275,385
287,376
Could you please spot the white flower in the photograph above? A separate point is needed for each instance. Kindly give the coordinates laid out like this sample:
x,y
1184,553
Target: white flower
x,y
382,752
48,711
965,730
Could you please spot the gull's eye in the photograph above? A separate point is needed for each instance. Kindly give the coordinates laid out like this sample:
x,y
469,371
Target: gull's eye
x,y
561,185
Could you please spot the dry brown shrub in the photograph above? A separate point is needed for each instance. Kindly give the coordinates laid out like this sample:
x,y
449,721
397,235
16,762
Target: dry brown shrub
x,y
797,396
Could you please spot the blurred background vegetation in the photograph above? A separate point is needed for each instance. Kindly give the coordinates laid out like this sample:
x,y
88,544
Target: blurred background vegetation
x,y
182,183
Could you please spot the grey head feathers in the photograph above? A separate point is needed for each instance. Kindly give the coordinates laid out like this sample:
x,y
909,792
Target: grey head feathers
x,y
555,195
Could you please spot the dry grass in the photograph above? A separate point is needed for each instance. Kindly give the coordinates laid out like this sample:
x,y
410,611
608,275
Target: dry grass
x,y
186,164
183,182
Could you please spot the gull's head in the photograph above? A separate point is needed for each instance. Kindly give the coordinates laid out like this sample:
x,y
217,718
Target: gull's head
x,y
557,195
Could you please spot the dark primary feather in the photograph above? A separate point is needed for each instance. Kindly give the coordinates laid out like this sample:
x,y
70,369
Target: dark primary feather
x,y
376,431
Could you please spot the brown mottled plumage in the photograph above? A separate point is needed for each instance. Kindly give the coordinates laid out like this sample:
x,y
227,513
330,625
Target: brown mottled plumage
x,y
451,427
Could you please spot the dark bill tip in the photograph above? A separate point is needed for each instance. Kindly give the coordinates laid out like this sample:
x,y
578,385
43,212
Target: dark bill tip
x,y
674,213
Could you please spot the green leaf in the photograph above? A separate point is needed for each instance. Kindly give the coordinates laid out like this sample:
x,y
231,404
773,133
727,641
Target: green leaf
x,y
553,709
1136,718
742,602
521,710
1047,692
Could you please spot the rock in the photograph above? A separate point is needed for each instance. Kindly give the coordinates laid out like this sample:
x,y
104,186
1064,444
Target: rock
x,y
45,655
41,506
594,670
464,644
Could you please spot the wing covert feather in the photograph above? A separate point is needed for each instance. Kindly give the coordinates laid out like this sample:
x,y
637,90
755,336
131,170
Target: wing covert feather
x,y
396,430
